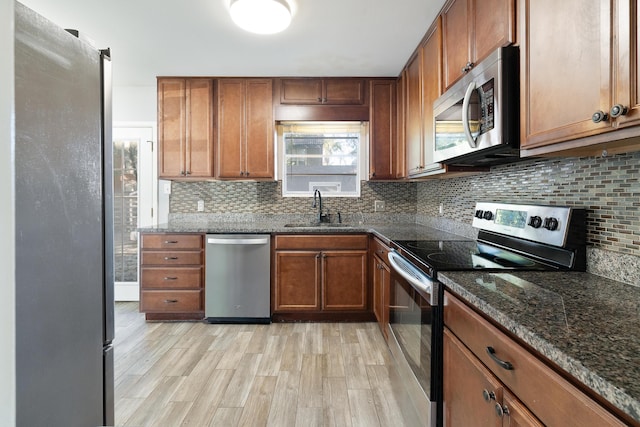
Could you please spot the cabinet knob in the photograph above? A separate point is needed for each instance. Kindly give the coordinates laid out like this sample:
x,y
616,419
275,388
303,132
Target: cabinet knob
x,y
599,116
499,410
618,110
467,67
182,173
488,395
170,301
170,258
170,278
241,173
319,99
373,174
247,173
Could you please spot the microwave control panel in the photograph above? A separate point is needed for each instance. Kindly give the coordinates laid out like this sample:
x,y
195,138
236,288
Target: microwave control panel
x,y
486,113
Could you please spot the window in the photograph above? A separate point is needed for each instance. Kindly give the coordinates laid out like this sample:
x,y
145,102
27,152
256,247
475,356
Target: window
x,y
322,155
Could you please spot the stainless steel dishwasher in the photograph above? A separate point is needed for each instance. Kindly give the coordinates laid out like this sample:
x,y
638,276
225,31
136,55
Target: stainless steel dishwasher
x,y
238,278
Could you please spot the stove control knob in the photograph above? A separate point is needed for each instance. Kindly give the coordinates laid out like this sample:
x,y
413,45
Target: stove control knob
x,y
479,213
550,224
488,215
535,221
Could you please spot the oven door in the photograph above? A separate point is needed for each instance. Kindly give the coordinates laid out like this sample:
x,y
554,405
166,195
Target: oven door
x,y
415,323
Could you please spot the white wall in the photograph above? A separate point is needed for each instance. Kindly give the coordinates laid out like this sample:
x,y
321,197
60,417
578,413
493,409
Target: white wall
x,y
133,103
7,220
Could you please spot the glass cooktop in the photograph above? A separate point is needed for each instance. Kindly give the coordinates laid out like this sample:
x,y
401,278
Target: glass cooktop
x,y
467,255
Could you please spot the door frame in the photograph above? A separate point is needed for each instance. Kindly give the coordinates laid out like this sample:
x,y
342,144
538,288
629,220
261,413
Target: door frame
x,y
147,194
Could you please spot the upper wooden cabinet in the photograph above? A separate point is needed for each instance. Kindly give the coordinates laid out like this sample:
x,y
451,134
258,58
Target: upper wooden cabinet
x,y
244,145
423,86
383,151
584,91
330,91
471,30
185,128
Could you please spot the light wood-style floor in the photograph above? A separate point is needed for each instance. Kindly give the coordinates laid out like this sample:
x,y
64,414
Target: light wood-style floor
x,y
283,374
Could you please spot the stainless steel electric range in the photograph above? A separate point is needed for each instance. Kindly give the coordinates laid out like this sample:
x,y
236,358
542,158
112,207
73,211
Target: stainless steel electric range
x,y
511,237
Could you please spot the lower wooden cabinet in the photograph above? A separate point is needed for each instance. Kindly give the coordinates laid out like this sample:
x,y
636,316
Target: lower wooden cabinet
x,y
489,379
172,276
475,397
320,275
381,280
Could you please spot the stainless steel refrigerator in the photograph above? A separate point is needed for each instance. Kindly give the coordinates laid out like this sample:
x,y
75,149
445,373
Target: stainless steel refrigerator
x,y
64,238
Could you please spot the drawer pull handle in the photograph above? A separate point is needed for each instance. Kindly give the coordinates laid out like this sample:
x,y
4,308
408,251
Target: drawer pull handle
x,y
502,363
170,258
170,301
169,242
170,278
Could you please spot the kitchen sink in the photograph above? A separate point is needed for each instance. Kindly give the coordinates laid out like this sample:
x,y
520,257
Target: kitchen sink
x,y
318,224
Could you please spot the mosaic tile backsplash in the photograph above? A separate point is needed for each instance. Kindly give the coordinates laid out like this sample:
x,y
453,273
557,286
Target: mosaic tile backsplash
x,y
266,198
609,188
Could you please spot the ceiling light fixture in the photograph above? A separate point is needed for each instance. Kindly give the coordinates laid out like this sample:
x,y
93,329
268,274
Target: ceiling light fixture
x,y
261,16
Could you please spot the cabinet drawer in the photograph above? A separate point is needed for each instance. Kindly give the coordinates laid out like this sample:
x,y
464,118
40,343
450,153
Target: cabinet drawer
x,y
321,242
170,301
170,257
175,277
548,395
380,249
171,241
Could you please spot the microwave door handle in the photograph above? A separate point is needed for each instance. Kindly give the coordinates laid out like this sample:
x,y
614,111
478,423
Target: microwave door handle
x,y
465,115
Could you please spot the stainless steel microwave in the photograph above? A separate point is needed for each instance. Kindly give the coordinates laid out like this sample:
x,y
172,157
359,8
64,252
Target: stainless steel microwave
x,y
477,119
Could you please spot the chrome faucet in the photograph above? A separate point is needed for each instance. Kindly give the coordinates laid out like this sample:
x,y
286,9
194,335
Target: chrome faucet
x,y
317,203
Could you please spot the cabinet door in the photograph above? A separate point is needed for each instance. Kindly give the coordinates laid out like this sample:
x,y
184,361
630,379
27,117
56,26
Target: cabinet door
x,y
516,414
199,139
383,150
565,69
172,116
457,24
231,128
258,148
344,280
401,135
413,117
343,91
627,45
297,281
494,26
470,392
431,90
301,91
381,281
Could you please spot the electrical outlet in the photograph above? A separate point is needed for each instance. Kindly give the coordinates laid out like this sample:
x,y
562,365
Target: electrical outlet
x,y
166,187
200,205
378,206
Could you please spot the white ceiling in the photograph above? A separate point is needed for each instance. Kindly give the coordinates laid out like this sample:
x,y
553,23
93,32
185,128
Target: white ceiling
x,y
150,38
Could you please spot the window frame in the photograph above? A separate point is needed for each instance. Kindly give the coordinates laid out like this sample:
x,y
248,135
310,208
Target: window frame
x,y
362,163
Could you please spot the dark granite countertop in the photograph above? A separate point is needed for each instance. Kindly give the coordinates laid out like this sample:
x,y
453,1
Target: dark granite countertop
x,y
385,231
587,325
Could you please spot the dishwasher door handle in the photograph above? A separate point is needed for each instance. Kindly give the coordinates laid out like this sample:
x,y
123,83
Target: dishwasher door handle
x,y
245,241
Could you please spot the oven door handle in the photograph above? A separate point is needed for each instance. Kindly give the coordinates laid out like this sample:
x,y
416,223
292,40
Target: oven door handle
x,y
410,272
473,143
